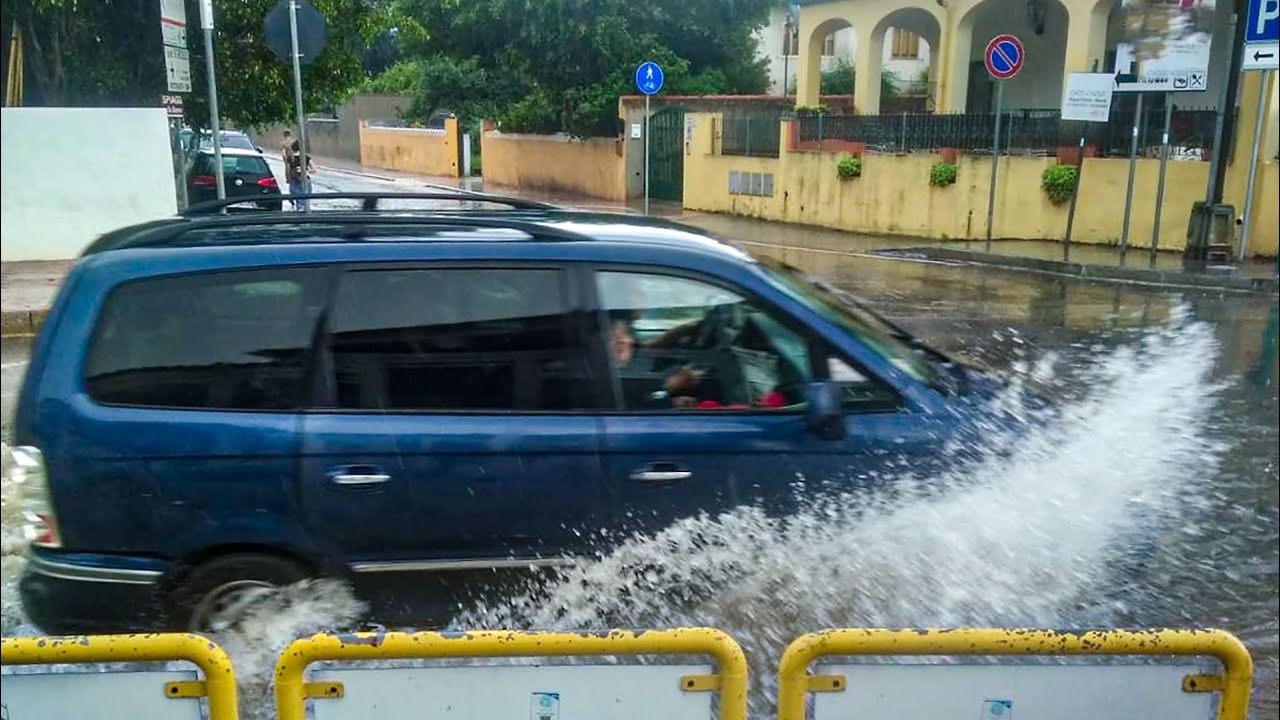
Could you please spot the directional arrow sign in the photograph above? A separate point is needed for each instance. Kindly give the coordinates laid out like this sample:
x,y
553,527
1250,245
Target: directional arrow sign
x,y
1261,56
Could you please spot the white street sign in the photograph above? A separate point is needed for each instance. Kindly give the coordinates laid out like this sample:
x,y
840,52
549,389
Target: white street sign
x,y
173,22
177,69
1261,56
1088,97
1164,47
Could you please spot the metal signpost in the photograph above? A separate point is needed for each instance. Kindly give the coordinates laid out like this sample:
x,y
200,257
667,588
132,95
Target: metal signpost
x,y
1004,57
206,23
1087,98
1172,57
648,81
295,32
1261,53
173,34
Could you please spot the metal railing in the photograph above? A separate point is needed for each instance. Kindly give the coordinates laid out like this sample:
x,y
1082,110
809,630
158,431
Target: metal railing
x,y
1024,131
755,134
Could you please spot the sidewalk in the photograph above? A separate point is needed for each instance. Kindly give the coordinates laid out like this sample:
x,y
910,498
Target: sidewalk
x,y
28,289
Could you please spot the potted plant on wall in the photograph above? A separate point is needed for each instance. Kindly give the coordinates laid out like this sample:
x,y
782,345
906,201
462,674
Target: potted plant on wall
x,y
1059,182
849,167
942,174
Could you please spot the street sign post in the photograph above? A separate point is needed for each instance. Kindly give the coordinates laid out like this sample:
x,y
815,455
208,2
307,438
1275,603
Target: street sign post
x,y
1003,57
1167,49
173,23
215,125
1262,36
1261,52
648,81
1087,98
295,32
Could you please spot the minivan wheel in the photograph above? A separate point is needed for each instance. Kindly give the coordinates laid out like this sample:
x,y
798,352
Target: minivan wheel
x,y
216,595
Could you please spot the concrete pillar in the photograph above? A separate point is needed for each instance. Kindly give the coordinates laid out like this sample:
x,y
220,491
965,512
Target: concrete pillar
x,y
957,67
1086,37
809,74
866,72
939,64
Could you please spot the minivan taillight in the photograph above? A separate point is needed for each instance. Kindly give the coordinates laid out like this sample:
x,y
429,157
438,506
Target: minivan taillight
x,y
26,472
204,180
267,182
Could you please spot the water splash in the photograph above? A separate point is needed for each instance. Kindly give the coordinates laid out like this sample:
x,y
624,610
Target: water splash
x,y
1031,529
1030,533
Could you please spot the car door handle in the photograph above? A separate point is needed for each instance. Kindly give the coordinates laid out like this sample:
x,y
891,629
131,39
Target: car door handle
x,y
660,473
358,476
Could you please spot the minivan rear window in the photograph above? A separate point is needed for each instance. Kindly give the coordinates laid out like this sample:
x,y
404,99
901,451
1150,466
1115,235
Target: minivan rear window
x,y
231,340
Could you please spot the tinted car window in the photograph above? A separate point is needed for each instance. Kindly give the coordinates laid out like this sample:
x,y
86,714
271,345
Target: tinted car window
x,y
680,343
456,339
235,340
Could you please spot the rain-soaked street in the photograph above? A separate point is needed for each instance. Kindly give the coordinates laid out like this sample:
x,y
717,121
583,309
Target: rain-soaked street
x,y
1150,501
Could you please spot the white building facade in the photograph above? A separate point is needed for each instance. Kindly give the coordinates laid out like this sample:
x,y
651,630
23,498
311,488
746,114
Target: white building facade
x,y
906,54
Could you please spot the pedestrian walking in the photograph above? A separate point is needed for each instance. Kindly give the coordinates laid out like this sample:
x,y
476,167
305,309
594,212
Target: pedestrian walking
x,y
299,181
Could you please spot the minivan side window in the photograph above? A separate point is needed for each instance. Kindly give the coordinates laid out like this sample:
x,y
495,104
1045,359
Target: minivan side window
x,y
678,343
457,339
227,340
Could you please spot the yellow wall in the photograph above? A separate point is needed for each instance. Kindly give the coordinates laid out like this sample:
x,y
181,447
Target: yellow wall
x,y
429,152
894,197
554,163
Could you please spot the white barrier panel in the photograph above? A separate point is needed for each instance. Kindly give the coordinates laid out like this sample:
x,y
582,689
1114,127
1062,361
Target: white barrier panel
x,y
39,692
99,695
1014,692
515,692
1123,687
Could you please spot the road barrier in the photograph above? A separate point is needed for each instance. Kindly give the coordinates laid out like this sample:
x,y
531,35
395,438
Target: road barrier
x,y
1200,674
601,692
908,691
159,694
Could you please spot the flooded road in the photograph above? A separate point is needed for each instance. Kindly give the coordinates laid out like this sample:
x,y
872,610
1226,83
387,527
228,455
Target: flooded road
x,y
1152,501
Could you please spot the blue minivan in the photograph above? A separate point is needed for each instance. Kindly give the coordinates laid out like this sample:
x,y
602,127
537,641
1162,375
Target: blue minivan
x,y
413,401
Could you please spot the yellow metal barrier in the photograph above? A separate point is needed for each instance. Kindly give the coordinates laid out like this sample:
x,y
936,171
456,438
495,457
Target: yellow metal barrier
x,y
1234,683
218,686
730,679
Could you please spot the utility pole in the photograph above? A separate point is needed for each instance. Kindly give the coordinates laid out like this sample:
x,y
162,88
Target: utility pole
x,y
297,98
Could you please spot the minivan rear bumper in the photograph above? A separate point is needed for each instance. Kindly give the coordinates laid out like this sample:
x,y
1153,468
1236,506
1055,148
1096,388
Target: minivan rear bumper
x,y
68,593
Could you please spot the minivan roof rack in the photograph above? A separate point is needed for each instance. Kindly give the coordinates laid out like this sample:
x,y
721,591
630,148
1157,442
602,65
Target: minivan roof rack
x,y
163,232
371,200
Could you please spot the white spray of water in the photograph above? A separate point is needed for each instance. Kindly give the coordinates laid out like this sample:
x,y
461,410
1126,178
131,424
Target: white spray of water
x,y
1026,534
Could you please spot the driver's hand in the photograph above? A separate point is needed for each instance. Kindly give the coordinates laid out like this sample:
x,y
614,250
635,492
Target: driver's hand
x,y
682,380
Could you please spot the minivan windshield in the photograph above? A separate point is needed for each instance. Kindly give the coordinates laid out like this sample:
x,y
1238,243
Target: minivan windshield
x,y
889,341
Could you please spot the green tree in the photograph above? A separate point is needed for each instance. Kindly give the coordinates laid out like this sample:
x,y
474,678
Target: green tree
x,y
109,52
578,56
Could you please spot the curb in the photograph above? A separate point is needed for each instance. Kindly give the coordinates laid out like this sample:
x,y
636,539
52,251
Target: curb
x,y
1165,278
20,323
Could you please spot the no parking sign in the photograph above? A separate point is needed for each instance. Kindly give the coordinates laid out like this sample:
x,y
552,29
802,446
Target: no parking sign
x,y
1004,56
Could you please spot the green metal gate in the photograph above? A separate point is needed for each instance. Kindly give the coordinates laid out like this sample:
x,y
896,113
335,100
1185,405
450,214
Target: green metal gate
x,y
666,154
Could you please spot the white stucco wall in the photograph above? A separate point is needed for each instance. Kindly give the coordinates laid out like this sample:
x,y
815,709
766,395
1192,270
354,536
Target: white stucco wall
x,y
68,175
771,36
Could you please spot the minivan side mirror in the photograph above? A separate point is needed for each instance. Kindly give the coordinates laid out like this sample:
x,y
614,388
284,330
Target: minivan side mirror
x,y
824,414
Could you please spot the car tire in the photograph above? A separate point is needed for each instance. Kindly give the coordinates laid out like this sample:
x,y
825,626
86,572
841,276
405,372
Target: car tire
x,y
217,586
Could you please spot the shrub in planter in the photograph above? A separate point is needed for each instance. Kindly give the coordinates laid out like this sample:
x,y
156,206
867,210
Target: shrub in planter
x,y
1059,182
849,167
942,174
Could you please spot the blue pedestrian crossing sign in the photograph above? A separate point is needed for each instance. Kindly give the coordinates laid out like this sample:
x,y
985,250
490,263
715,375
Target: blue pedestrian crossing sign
x,y
649,77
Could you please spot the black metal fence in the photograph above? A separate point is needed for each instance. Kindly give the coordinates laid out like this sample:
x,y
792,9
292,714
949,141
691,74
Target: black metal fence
x,y
755,134
1035,132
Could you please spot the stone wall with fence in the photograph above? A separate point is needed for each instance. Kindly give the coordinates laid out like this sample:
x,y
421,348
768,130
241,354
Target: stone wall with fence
x,y
791,176
554,164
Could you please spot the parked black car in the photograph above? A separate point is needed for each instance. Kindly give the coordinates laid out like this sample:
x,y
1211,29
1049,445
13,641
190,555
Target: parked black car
x,y
245,172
